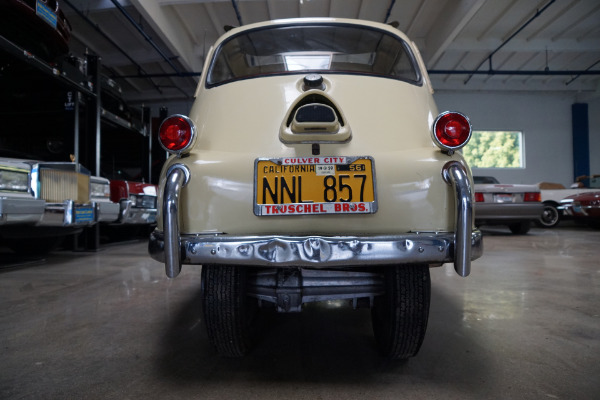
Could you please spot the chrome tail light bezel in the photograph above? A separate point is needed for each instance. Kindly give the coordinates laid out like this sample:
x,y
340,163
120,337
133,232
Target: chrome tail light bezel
x,y
444,146
190,142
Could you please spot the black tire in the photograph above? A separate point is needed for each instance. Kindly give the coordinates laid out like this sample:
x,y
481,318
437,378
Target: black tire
x,y
520,228
400,316
550,216
228,312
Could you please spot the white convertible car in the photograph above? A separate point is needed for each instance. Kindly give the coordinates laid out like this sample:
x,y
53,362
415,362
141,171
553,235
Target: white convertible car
x,y
314,165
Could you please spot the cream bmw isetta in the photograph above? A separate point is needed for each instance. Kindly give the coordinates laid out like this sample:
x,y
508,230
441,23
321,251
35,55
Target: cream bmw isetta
x,y
314,166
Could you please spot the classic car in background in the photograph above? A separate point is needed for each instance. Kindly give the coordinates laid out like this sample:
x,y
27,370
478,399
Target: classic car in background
x,y
137,201
583,207
43,202
515,206
315,166
552,195
39,26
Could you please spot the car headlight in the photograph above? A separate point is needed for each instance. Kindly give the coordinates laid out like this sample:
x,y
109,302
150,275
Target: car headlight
x,y
14,180
135,202
99,190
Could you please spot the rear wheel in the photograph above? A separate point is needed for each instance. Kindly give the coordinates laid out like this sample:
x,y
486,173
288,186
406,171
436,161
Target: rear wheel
x,y
550,216
400,316
520,228
228,312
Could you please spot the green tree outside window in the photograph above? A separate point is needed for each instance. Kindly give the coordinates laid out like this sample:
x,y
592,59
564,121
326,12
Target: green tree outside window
x,y
494,149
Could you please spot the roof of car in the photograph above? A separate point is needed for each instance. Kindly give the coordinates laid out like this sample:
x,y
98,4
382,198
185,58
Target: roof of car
x,y
320,20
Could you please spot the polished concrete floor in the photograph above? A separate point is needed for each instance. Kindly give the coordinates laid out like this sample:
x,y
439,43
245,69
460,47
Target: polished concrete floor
x,y
110,325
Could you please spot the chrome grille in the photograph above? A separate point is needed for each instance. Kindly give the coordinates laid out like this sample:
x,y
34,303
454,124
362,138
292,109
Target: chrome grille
x,y
57,186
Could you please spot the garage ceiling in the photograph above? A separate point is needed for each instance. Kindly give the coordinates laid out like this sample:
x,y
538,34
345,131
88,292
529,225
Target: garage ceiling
x,y
156,48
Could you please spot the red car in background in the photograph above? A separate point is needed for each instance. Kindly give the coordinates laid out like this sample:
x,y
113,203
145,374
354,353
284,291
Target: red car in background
x,y
137,201
39,26
583,207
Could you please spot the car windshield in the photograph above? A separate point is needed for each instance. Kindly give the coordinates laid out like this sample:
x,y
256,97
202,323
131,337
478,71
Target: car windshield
x,y
324,48
485,179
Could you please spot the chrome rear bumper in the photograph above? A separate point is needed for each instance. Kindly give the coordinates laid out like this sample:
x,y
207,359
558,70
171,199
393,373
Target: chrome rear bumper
x,y
319,252
460,247
129,214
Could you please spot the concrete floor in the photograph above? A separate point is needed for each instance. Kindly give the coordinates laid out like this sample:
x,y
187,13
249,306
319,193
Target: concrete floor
x,y
108,325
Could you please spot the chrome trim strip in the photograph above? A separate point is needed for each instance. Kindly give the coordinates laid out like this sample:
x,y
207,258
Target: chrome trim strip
x,y
455,174
178,176
313,251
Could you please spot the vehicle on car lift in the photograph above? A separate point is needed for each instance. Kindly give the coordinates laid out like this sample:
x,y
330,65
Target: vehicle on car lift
x,y
314,165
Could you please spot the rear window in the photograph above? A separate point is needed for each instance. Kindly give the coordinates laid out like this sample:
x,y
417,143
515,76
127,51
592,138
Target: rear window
x,y
485,180
323,48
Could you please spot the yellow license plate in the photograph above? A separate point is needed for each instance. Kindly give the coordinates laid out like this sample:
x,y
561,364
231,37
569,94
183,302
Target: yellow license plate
x,y
314,185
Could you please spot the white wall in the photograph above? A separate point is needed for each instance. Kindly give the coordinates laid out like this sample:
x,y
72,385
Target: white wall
x,y
544,119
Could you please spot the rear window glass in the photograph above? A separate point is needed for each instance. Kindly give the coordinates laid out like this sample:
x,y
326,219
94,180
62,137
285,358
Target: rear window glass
x,y
485,180
319,48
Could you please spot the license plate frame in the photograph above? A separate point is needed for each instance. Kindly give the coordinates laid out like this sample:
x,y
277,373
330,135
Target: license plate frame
x,y
353,177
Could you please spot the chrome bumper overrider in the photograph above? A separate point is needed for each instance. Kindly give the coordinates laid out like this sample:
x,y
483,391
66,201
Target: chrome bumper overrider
x,y
459,247
129,214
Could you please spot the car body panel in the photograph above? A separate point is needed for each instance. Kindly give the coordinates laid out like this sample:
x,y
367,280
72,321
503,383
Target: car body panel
x,y
584,206
556,195
209,191
414,160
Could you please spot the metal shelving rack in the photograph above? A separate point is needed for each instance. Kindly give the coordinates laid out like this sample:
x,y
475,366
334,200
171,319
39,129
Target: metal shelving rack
x,y
87,131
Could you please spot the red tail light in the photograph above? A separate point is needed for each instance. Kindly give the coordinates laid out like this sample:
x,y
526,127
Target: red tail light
x,y
451,130
533,196
177,133
479,198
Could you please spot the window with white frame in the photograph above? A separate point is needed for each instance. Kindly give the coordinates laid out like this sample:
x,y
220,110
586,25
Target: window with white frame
x,y
495,149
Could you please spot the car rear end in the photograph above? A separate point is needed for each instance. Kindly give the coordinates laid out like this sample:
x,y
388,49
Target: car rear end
x,y
312,157
245,130
504,204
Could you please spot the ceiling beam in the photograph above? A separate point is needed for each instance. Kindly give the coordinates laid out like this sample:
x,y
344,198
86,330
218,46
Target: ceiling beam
x,y
451,22
520,45
165,22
